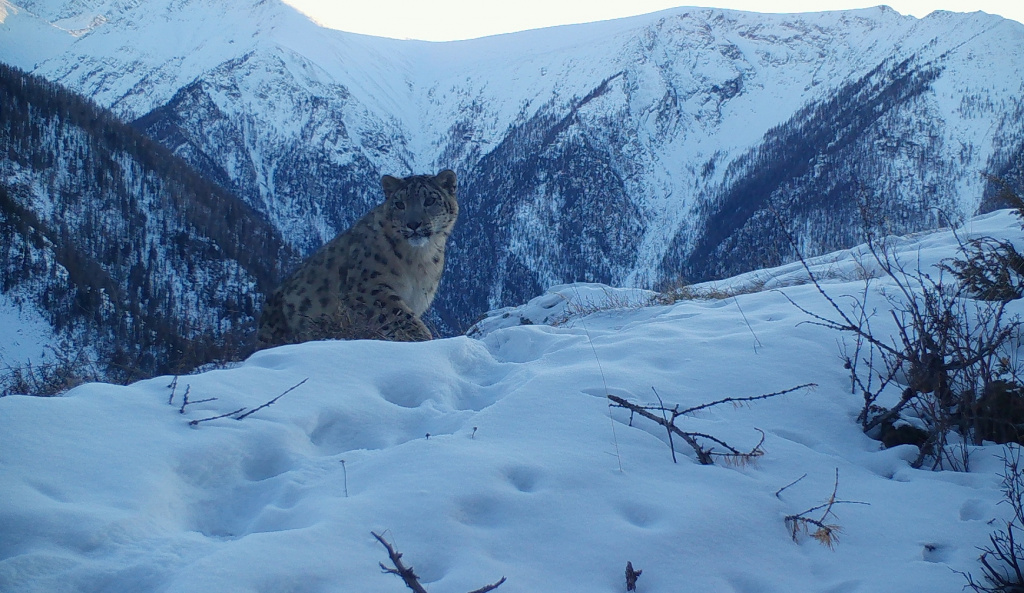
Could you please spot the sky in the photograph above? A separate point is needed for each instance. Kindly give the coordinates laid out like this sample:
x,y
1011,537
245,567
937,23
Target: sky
x,y
446,20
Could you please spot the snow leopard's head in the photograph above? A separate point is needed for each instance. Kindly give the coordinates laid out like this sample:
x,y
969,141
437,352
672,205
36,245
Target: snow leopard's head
x,y
421,207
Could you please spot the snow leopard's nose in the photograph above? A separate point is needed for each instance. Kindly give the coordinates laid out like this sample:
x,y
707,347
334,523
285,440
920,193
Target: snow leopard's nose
x,y
413,226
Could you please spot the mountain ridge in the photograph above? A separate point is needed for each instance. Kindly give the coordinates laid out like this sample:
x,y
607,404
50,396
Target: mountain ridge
x,y
661,115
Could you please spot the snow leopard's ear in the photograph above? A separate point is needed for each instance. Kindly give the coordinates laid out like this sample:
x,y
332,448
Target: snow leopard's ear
x,y
391,185
446,179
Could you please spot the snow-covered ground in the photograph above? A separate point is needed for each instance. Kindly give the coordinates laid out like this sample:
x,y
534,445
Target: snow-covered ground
x,y
496,455
27,335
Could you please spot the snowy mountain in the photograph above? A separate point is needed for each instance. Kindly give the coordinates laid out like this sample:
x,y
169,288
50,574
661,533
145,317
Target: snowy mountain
x,y
635,151
114,252
499,456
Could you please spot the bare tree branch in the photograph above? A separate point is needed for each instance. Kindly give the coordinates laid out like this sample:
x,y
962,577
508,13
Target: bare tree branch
x,y
666,424
287,391
411,580
702,455
196,422
739,400
826,533
793,483
186,401
490,587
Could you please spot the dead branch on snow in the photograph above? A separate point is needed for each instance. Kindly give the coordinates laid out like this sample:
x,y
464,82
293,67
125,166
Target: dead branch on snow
x,y
411,580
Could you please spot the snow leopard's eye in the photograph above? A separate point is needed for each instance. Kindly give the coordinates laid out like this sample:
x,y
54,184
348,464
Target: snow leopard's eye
x,y
429,201
400,204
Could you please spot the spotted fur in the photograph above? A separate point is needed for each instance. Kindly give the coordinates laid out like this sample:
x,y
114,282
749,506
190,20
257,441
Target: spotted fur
x,y
374,280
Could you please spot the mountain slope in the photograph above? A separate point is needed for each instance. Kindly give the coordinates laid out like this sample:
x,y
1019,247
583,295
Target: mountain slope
x,y
125,251
688,122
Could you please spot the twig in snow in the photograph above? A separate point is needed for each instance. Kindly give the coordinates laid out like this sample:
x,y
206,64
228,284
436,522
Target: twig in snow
x,y
185,400
196,422
705,456
411,580
287,391
173,385
757,342
741,400
826,533
242,414
490,587
793,483
666,423
344,471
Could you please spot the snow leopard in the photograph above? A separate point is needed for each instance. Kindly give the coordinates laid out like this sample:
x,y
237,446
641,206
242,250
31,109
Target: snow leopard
x,y
376,279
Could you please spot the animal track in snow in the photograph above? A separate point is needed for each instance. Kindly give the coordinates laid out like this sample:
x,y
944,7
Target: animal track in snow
x,y
267,461
749,583
640,515
247,508
938,553
972,510
482,510
523,478
238,491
